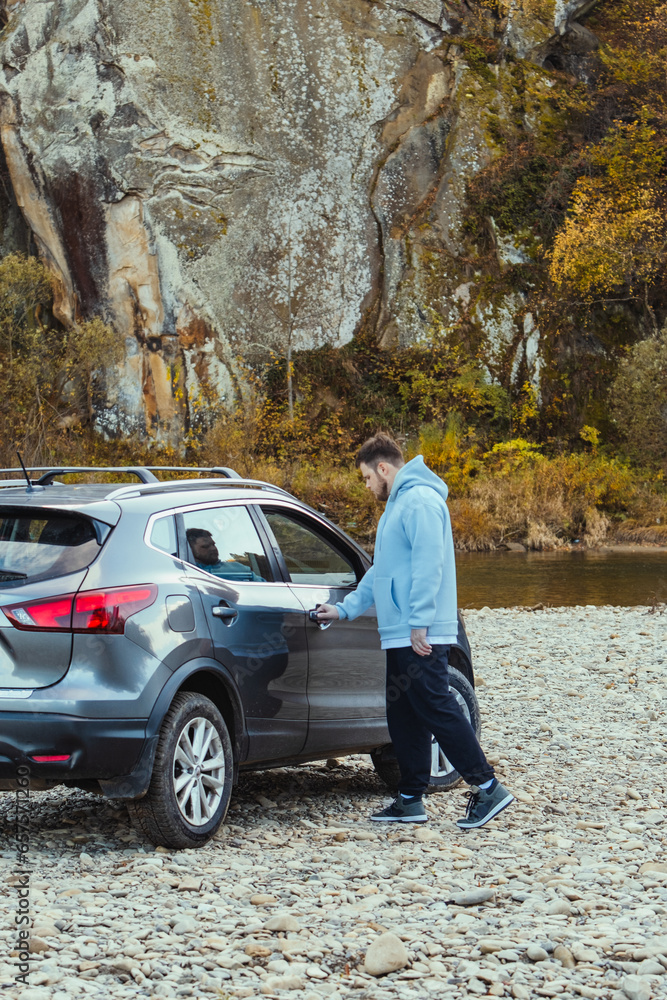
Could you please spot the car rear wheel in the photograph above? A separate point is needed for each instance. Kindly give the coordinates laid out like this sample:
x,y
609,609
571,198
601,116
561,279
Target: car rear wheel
x,y
443,775
191,784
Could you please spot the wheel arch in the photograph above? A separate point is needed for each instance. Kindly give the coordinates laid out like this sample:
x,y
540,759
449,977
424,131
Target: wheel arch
x,y
221,693
212,680
202,677
460,660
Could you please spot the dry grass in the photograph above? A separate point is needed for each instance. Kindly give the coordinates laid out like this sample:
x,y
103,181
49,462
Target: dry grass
x,y
543,503
630,532
597,525
474,528
541,537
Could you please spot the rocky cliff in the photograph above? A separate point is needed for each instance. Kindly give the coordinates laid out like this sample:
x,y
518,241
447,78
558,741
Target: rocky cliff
x,y
219,179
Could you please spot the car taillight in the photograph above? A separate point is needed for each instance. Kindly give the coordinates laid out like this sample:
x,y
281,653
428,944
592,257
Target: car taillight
x,y
89,611
52,614
108,610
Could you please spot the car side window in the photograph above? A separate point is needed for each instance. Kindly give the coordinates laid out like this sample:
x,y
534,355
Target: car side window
x,y
309,557
223,541
163,535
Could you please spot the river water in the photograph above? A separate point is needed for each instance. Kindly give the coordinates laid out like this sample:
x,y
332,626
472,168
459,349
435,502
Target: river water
x,y
604,576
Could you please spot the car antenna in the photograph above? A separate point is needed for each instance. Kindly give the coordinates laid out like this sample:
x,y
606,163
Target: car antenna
x,y
31,488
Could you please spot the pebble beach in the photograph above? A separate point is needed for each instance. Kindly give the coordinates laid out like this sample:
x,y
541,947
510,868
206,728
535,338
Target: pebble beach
x,y
563,895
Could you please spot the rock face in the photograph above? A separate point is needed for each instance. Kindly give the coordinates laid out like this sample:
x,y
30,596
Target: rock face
x,y
222,178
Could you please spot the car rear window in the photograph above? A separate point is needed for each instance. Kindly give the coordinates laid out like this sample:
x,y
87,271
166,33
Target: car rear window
x,y
44,544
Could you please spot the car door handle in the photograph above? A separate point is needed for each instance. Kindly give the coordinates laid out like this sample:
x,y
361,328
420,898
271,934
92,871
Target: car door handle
x,y
321,625
227,614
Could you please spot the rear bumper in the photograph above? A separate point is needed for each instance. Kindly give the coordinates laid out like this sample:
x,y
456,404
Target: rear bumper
x,y
98,748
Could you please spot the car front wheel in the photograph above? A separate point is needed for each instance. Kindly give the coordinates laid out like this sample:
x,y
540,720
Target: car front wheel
x,y
443,774
191,784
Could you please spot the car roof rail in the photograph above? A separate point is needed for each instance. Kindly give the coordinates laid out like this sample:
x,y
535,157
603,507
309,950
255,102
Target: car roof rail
x,y
50,472
194,484
215,470
144,473
149,484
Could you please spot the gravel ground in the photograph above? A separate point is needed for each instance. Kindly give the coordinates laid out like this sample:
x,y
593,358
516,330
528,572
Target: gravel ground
x,y
563,895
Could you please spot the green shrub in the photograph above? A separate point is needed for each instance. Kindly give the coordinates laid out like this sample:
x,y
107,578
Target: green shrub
x,y
638,399
49,375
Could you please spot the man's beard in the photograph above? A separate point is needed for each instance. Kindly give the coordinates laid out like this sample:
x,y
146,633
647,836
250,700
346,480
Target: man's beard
x,y
383,495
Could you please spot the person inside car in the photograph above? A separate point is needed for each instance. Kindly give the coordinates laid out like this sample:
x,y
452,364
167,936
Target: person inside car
x,y
206,556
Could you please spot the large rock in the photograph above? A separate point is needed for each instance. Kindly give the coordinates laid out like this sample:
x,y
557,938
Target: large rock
x,y
221,178
532,28
282,922
636,988
386,954
473,897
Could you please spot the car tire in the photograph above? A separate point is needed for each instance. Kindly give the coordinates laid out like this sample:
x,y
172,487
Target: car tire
x,y
189,792
443,775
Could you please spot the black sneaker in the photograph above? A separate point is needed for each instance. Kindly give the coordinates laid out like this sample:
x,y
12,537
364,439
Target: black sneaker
x,y
401,811
484,804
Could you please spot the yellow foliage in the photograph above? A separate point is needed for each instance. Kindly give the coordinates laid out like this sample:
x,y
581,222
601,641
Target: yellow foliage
x,y
633,67
525,409
603,248
507,456
447,453
474,528
523,495
615,235
591,435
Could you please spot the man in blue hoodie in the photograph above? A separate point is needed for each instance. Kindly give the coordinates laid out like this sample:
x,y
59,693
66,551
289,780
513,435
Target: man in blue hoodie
x,y
412,583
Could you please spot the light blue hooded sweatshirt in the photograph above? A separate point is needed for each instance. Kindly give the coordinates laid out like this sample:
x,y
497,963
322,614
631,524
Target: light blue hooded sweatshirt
x,y
412,581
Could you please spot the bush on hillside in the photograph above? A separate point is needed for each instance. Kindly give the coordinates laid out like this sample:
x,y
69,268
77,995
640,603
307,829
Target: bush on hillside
x,y
638,399
48,374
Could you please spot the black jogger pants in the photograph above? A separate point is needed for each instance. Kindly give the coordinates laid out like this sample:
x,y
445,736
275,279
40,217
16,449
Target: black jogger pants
x,y
420,703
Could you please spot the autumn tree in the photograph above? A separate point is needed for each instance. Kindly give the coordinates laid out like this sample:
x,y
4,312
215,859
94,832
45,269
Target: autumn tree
x,y
614,239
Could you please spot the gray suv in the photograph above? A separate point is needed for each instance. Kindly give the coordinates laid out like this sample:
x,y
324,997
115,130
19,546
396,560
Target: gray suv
x,y
156,639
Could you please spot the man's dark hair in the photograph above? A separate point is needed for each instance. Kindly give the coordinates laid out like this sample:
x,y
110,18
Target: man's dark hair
x,y
192,534
381,448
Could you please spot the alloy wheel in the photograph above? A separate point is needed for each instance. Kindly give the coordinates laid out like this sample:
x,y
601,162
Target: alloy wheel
x,y
199,771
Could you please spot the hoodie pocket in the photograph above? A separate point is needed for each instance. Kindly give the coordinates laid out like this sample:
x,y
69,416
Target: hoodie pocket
x,y
388,612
